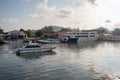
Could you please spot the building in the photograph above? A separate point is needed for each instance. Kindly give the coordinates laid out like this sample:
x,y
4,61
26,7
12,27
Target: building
x,y
15,34
109,37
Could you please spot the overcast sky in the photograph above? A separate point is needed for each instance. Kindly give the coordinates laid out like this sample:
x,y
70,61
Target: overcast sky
x,y
82,14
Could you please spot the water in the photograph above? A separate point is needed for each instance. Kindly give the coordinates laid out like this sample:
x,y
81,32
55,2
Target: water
x,y
83,61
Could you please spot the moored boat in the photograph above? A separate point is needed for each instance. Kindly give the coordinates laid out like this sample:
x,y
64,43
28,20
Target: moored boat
x,y
77,36
49,41
88,36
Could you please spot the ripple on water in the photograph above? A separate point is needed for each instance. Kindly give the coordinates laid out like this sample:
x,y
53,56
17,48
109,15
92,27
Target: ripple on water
x,y
85,61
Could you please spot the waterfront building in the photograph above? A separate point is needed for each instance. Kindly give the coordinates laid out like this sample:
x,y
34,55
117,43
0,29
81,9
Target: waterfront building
x,y
109,37
15,34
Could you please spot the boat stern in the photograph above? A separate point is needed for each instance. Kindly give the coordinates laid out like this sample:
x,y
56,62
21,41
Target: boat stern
x,y
17,51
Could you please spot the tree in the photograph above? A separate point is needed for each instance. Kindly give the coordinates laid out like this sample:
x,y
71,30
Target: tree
x,y
29,33
65,29
22,30
38,33
47,29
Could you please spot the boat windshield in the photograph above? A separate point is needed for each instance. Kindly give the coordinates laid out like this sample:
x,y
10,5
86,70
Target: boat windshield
x,y
32,46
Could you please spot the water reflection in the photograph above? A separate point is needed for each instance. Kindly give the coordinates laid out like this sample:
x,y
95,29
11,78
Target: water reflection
x,y
88,45
35,55
81,45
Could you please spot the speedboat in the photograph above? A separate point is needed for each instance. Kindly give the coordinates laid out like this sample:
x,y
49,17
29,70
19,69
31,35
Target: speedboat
x,y
34,47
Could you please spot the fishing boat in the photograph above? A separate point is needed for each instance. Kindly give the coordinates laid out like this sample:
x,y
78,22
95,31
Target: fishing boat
x,y
34,47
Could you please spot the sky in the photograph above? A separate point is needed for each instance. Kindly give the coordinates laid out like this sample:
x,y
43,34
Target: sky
x,y
82,14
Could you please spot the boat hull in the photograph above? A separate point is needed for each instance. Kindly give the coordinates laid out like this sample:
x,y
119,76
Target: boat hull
x,y
72,40
32,50
69,40
88,38
48,42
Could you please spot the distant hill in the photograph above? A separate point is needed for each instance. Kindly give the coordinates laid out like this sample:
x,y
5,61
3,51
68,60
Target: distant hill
x,y
103,30
56,28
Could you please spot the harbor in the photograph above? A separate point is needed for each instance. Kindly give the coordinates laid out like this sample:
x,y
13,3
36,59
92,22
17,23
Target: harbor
x,y
88,55
59,40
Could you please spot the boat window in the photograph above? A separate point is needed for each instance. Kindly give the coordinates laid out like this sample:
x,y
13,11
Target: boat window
x,y
28,46
76,36
37,46
92,35
69,33
32,46
77,33
84,33
83,36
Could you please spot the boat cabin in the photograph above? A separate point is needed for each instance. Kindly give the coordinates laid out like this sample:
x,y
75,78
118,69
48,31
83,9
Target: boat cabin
x,y
32,46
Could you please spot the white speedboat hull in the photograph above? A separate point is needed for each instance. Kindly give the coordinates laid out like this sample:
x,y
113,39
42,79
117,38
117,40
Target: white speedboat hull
x,y
34,48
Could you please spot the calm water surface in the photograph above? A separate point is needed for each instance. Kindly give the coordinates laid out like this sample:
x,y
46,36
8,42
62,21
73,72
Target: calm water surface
x,y
83,61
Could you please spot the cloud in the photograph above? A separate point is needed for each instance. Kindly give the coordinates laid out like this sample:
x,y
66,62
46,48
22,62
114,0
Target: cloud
x,y
10,20
38,16
53,10
44,6
93,2
28,0
108,21
77,4
117,24
65,13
